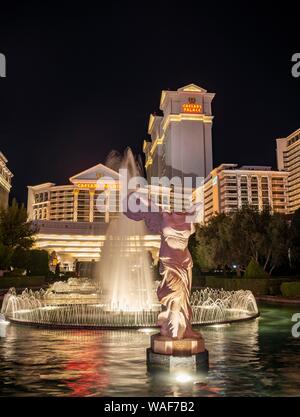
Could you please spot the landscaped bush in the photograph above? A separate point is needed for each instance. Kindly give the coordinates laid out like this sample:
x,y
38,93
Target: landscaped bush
x,y
198,280
290,289
38,262
254,270
22,282
17,272
258,286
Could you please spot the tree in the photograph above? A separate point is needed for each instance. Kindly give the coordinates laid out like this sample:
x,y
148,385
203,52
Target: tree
x,y
20,258
5,256
15,230
245,235
201,260
254,270
214,240
278,241
38,262
295,240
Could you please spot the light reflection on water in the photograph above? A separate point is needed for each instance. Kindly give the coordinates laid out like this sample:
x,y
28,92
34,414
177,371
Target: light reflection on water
x,y
258,357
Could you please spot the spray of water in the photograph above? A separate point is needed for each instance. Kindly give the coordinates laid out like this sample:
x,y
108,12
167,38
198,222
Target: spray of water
x,y
125,269
66,305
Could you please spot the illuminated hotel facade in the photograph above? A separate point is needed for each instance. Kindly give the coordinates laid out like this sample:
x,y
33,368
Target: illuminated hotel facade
x,y
71,225
181,139
5,181
181,145
288,159
229,188
72,220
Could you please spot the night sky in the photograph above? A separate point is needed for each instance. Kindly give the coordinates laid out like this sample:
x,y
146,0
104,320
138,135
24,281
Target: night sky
x,y
83,80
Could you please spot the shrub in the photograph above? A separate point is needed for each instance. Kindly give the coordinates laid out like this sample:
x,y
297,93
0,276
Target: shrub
x,y
257,286
290,289
38,263
15,273
5,256
198,280
20,258
22,282
254,270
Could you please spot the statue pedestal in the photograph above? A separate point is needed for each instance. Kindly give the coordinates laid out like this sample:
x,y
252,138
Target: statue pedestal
x,y
177,354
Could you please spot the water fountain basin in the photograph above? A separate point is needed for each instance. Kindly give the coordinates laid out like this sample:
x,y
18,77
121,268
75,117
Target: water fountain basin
x,y
85,310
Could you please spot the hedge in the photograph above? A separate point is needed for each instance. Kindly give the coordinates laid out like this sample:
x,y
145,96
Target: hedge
x,y
259,286
22,282
198,281
290,289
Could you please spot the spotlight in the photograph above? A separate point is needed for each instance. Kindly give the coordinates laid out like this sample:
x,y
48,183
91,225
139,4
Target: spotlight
x,y
183,378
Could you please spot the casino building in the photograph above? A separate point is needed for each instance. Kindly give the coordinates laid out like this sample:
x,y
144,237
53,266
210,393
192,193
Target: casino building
x,y
288,159
180,145
72,219
229,188
181,139
5,181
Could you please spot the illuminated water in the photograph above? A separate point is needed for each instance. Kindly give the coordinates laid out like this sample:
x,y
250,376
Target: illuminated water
x,y
77,304
125,268
258,357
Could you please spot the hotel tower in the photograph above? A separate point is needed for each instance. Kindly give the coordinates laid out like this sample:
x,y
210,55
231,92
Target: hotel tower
x,y
181,138
288,159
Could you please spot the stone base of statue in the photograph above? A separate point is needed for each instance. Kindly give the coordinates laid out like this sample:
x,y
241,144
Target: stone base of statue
x,y
187,354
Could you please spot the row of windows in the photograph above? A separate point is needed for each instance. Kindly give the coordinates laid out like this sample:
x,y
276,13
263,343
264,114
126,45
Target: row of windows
x,y
294,139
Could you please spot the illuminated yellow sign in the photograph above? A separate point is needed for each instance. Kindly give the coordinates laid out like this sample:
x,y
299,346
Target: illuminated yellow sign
x,y
87,185
191,108
95,185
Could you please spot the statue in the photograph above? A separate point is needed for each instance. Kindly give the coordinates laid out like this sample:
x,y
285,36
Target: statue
x,y
175,265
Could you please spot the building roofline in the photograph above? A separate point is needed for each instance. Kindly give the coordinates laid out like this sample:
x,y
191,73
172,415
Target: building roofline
x,y
2,156
40,186
290,136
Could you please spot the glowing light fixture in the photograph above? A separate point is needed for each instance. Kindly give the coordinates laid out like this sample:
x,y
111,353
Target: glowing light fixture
x,y
183,378
147,330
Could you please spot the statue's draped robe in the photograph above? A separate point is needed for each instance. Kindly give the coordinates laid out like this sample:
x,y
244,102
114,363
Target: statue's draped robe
x,y
175,267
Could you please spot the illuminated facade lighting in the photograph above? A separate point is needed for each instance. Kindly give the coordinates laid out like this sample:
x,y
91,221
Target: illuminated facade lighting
x,y
5,181
69,221
229,188
288,159
181,139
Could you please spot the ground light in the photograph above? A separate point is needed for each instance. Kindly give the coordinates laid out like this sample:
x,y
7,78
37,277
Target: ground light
x,y
183,378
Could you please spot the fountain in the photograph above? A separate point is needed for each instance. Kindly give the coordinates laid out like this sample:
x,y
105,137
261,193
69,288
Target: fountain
x,y
125,270
124,294
52,308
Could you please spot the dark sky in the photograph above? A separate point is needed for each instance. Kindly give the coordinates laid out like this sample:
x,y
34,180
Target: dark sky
x,y
82,80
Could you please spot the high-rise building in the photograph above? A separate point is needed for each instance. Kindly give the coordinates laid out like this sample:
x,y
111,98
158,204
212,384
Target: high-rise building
x,y
288,159
181,139
5,181
229,188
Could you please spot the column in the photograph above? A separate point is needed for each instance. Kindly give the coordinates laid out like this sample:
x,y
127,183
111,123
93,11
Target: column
x,y
106,204
249,189
239,191
92,194
75,205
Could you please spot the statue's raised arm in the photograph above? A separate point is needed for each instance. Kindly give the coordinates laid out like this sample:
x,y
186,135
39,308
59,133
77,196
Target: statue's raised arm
x,y
175,262
141,207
